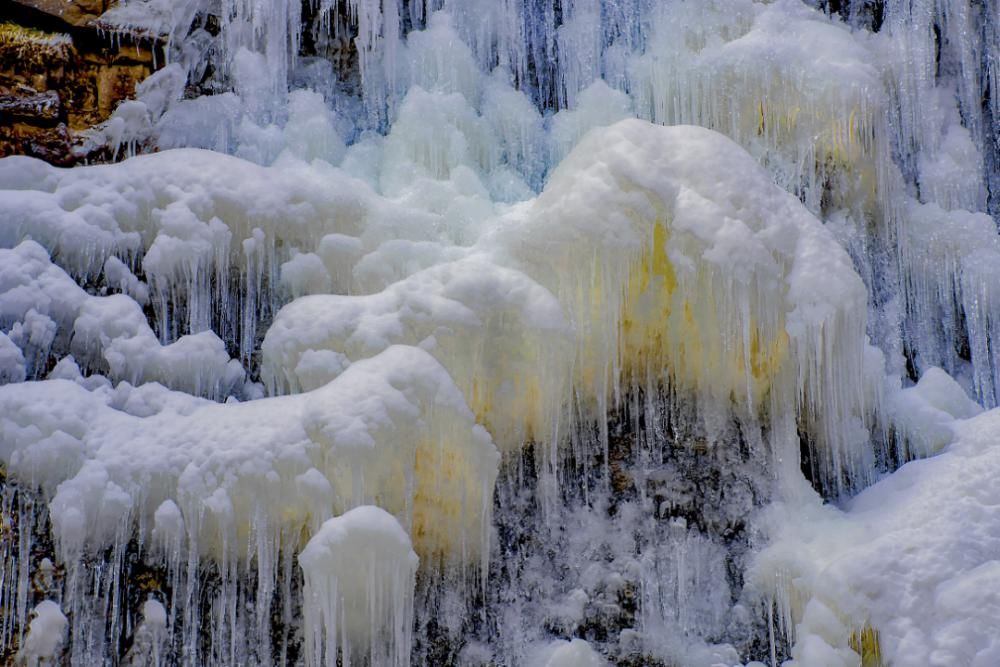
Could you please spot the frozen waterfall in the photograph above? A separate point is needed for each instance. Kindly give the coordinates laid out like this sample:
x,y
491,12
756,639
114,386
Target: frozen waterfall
x,y
513,332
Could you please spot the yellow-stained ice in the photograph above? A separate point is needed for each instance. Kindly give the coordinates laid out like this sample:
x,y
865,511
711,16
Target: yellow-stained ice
x,y
654,256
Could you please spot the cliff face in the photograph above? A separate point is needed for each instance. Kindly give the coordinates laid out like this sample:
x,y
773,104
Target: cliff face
x,y
61,74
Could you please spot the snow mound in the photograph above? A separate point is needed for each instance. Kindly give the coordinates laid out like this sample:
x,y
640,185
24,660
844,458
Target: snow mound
x,y
46,633
496,331
913,559
574,653
802,93
925,413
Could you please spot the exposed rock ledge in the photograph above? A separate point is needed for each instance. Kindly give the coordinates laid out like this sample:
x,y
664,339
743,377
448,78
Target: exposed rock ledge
x,y
62,73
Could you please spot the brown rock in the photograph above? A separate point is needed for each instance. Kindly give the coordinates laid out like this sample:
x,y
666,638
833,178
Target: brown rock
x,y
54,84
31,107
52,144
116,83
73,12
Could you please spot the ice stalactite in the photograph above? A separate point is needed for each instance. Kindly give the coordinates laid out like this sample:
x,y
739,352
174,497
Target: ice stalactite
x,y
209,255
213,482
952,259
49,315
360,572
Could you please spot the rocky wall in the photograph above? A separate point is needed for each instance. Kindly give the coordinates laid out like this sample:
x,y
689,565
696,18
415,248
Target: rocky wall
x,y
62,73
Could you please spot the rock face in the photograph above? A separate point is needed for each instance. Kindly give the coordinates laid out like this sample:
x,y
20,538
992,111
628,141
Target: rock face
x,y
59,75
79,13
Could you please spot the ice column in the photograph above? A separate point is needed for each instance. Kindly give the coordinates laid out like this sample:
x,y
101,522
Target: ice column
x,y
360,571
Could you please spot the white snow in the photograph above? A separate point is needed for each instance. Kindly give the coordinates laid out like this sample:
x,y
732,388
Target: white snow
x,y
913,557
11,361
574,653
924,413
392,429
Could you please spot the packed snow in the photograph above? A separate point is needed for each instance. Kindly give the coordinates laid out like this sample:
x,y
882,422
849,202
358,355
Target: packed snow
x,y
45,634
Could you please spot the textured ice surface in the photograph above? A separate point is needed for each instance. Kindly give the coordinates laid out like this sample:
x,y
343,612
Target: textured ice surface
x,y
47,315
239,484
952,265
708,273
391,429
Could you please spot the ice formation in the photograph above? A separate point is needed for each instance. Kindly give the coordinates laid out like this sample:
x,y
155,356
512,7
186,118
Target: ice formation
x,y
47,315
912,557
513,333
240,483
45,634
359,577
672,239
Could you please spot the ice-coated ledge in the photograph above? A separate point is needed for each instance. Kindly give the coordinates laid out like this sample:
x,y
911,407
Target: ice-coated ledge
x,y
392,430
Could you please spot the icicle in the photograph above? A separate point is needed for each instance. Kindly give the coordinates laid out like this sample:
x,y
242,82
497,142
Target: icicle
x,y
359,578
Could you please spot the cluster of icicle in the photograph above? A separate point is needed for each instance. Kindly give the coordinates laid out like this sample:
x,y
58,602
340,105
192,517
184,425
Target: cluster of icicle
x,y
724,286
